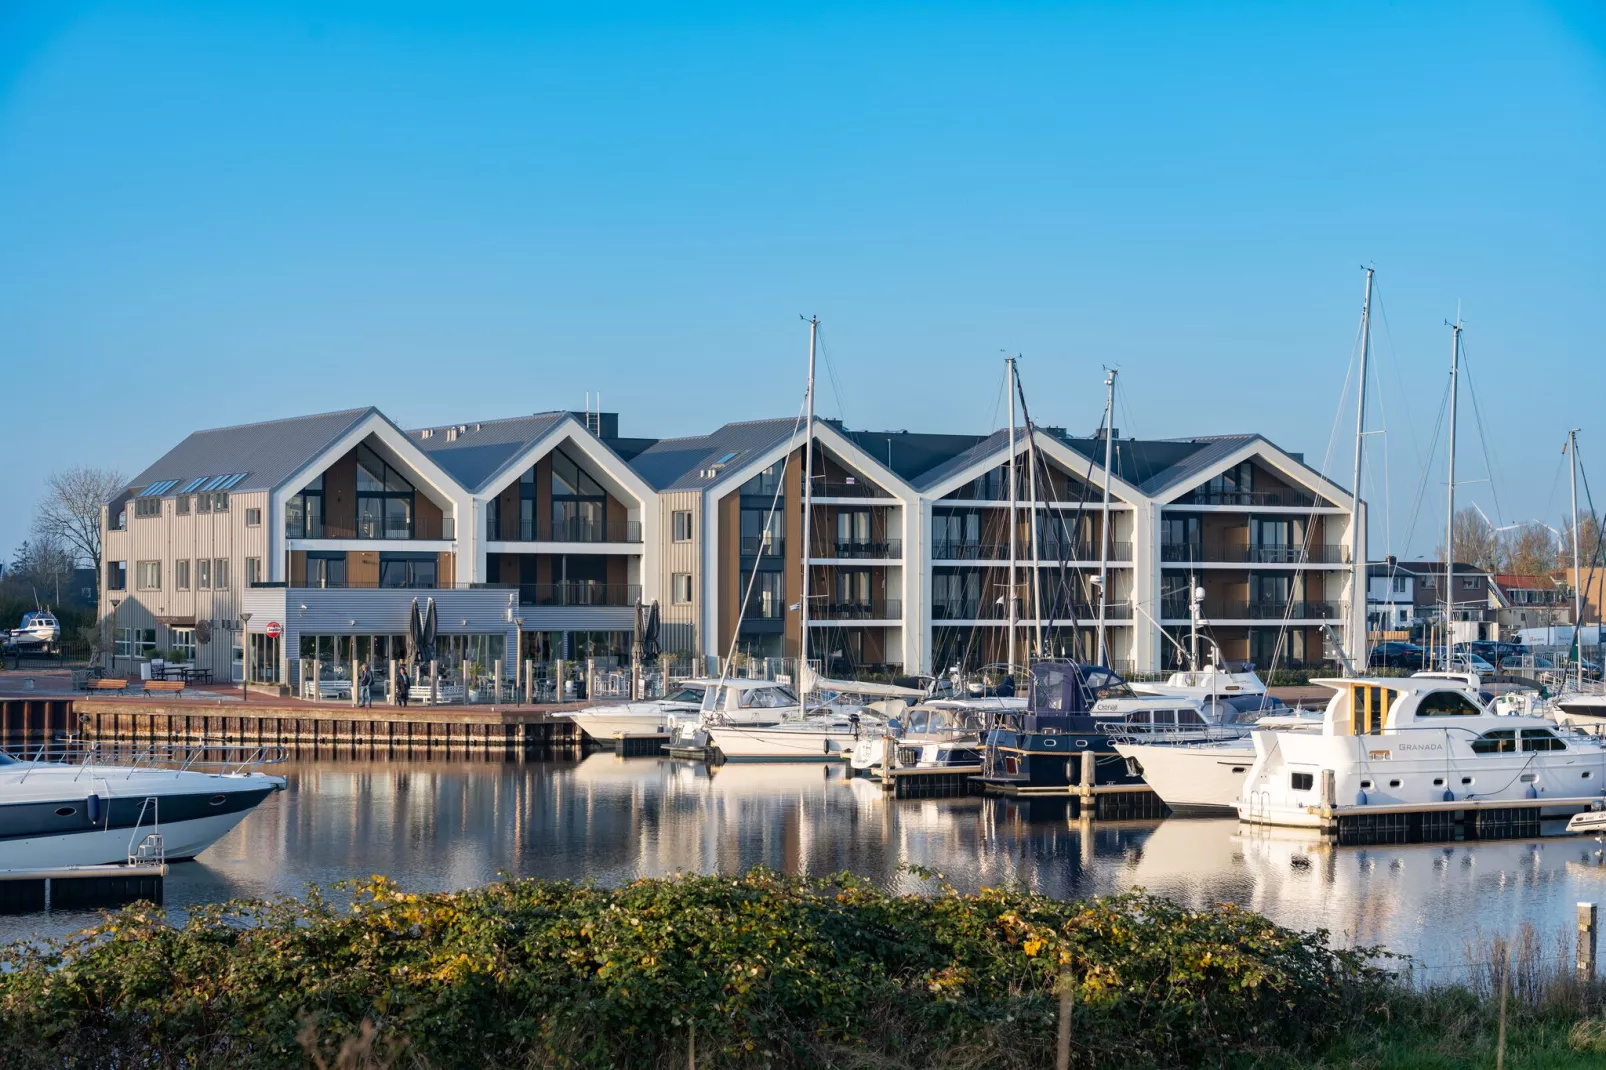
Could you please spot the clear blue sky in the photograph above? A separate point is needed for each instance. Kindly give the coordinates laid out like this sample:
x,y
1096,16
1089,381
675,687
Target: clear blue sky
x,y
216,212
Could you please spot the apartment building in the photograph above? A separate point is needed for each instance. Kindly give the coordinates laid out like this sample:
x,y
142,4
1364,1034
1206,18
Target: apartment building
x,y
536,536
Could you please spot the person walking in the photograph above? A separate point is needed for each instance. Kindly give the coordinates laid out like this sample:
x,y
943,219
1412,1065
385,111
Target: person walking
x,y
365,688
401,685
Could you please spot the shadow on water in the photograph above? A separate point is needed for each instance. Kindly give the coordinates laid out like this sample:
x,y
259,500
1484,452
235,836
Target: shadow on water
x,y
452,823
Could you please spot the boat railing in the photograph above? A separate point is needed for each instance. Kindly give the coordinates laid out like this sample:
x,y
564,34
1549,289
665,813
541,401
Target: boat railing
x,y
95,756
1177,735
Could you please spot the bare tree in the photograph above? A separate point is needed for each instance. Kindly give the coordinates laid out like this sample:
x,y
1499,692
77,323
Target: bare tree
x,y
70,511
1531,550
42,565
1476,543
1588,542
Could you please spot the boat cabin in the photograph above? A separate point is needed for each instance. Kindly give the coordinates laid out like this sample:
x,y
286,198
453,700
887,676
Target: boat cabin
x,y
1369,706
733,695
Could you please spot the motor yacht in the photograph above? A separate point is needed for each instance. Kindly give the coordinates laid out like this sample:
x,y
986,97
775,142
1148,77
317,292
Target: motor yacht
x,y
1428,739
40,631
816,737
84,807
1039,746
732,701
936,734
650,717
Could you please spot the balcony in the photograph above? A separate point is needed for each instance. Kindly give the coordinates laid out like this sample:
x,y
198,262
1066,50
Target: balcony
x,y
1291,499
579,593
859,549
1047,550
1195,553
875,609
375,528
841,489
567,529
762,546
1231,609
965,609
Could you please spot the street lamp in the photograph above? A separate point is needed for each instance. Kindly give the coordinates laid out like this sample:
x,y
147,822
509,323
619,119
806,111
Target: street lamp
x,y
245,656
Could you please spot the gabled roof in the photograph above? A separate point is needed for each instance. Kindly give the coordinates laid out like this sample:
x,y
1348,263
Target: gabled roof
x,y
980,450
679,463
267,453
1207,453
474,454
1516,582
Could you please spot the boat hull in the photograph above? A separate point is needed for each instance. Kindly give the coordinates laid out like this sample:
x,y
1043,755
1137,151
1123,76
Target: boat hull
x,y
781,745
1203,779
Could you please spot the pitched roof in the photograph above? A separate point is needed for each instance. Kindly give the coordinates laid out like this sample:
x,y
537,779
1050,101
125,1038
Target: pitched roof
x,y
267,453
479,451
679,463
1514,581
979,450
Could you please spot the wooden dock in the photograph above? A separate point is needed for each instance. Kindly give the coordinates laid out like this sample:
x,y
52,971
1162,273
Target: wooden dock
x,y
24,891
289,723
640,744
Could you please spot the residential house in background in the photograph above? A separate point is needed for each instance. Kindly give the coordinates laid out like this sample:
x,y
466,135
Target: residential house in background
x,y
1529,602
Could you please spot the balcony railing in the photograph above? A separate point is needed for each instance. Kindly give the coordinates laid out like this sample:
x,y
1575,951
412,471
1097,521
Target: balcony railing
x,y
875,609
1249,498
762,546
422,527
966,609
859,549
1218,553
1230,609
1047,550
567,529
579,593
838,489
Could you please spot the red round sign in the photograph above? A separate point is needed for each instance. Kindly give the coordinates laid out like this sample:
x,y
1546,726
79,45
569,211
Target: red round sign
x,y
274,631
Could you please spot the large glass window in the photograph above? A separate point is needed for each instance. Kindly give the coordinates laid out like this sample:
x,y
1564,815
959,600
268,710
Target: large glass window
x,y
761,532
326,570
766,481
578,502
184,643
1448,704
384,499
769,595
410,570
303,513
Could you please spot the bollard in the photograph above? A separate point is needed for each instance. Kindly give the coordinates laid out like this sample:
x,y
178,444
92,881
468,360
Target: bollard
x,y
889,760
558,680
1088,774
529,682
394,698
1588,915
434,682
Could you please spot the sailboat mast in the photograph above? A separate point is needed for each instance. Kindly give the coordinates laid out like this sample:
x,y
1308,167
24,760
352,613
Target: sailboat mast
x,y
1031,510
1449,510
808,504
1010,362
1104,534
1357,558
1578,576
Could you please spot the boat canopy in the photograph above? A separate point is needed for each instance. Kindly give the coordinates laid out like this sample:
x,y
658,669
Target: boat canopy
x,y
1067,688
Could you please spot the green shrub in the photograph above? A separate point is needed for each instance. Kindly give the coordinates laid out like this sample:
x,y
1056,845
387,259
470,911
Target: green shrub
x,y
768,970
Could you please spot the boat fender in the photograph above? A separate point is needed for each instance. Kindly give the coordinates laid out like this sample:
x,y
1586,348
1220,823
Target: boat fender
x,y
1531,793
1360,798
92,808
1449,796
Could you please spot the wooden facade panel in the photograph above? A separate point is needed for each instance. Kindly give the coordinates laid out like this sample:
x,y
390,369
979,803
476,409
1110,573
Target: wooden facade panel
x,y
340,498
362,568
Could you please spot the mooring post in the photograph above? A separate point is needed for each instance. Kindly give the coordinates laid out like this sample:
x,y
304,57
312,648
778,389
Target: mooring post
x,y
394,698
496,678
434,682
591,679
1088,775
317,679
1588,916
889,761
529,682
558,674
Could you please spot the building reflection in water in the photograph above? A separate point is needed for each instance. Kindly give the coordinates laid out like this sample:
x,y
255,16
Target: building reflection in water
x,y
452,823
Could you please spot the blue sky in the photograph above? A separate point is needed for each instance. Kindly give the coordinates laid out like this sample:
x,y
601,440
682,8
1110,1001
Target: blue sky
x,y
216,212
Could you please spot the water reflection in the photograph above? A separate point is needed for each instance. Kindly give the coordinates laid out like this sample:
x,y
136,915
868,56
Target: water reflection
x,y
455,823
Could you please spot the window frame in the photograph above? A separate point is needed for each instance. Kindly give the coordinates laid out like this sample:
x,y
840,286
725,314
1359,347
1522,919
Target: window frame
x,y
148,575
181,574
220,574
680,593
253,517
680,525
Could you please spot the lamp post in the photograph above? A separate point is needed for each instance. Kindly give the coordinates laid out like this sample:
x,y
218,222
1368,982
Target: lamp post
x,y
245,657
112,657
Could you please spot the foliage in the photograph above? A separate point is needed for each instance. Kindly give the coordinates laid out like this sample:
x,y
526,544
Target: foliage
x,y
71,509
756,970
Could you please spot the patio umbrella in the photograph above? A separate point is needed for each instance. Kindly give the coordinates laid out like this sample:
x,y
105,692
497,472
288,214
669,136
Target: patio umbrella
x,y
415,634
427,642
649,636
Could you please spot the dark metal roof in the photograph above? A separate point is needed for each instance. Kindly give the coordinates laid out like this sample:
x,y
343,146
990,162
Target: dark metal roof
x,y
679,463
478,452
267,453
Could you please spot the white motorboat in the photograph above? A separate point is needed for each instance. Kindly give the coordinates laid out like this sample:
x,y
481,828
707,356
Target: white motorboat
x,y
935,734
1583,709
732,701
1210,682
649,717
89,811
812,738
40,631
1429,739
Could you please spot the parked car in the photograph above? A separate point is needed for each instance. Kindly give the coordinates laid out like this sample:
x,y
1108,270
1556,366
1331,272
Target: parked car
x,y
1497,651
1395,654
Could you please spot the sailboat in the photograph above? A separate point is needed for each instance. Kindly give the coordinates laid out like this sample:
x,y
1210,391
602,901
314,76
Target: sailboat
x,y
824,734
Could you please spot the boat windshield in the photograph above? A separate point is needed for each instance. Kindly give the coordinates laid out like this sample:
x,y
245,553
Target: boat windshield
x,y
767,698
693,695
1245,709
6,759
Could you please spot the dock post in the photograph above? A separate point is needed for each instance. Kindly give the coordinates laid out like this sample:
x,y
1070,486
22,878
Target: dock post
x,y
636,694
317,679
393,696
496,680
529,682
1088,801
1588,916
434,682
591,679
889,761
558,680
356,675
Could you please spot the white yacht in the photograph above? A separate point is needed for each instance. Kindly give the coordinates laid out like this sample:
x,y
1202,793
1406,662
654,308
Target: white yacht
x,y
817,737
1213,681
84,813
1425,740
649,717
40,631
744,702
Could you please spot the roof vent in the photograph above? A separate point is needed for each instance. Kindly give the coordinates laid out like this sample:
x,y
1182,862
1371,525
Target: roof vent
x,y
428,432
476,427
451,434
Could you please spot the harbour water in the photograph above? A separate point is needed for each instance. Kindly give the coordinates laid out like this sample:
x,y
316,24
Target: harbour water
x,y
445,824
